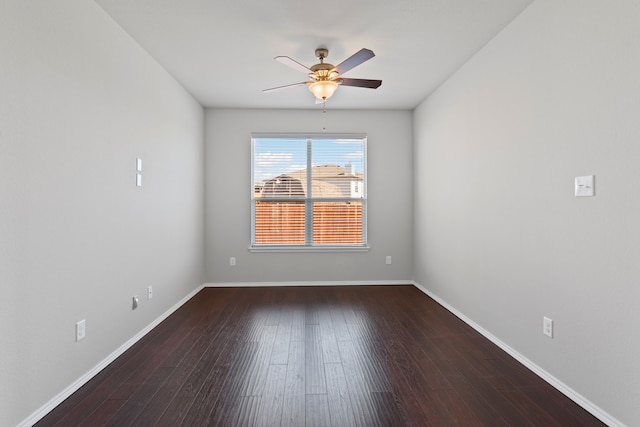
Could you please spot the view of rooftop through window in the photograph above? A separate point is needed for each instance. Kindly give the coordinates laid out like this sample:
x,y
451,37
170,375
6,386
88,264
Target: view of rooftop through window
x,y
308,191
274,157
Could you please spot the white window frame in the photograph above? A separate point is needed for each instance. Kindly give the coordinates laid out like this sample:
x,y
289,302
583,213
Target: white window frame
x,y
309,246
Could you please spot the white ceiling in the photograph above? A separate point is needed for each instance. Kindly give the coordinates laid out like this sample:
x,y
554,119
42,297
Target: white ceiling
x,y
222,51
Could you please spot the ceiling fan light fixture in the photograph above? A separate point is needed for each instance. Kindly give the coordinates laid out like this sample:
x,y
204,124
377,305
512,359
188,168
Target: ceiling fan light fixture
x,y
324,78
323,89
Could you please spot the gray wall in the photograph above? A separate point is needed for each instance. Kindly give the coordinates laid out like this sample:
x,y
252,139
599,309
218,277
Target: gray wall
x,y
228,187
498,233
80,101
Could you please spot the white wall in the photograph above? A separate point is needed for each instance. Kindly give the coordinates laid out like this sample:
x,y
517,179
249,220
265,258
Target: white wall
x,y
228,192
79,102
498,232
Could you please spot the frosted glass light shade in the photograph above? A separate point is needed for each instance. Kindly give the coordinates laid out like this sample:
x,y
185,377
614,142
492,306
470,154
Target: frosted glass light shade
x,y
323,89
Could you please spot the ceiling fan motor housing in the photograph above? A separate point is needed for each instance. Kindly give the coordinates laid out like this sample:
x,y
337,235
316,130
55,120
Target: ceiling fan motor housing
x,y
322,71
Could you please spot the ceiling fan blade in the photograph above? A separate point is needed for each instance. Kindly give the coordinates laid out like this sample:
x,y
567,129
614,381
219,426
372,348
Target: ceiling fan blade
x,y
293,64
371,84
354,60
284,87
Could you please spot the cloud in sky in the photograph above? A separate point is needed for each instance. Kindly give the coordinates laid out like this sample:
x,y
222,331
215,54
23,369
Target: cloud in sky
x,y
273,158
269,164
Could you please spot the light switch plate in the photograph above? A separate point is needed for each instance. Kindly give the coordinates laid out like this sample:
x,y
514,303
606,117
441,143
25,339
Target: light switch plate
x,y
585,186
547,326
81,330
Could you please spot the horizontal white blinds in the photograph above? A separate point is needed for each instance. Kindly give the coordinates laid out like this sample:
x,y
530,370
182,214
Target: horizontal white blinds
x,y
309,191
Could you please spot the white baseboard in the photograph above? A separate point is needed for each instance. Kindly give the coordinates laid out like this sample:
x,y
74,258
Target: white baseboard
x,y
556,383
327,283
50,405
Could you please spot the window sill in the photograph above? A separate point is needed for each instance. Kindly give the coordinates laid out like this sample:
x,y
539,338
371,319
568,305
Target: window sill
x,y
292,248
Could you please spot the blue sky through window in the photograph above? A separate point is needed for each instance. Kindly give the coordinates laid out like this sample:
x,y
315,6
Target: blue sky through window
x,y
277,156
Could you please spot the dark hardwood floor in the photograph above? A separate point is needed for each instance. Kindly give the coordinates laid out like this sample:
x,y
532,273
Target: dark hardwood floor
x,y
316,356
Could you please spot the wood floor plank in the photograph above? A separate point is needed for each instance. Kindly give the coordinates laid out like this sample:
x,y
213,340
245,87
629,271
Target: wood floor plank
x,y
137,402
316,356
103,413
298,324
93,393
387,410
214,385
330,352
272,403
453,410
315,382
311,308
247,412
503,407
256,373
360,382
482,409
339,323
280,352
171,389
558,406
317,411
408,382
338,397
365,364
233,394
217,402
535,414
401,325
199,367
293,410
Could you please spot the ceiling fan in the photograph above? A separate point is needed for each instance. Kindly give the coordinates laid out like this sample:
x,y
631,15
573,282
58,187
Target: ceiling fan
x,y
324,78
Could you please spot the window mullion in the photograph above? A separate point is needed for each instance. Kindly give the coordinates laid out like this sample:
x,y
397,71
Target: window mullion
x,y
308,203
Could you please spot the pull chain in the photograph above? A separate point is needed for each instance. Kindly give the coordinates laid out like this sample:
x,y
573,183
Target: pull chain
x,y
324,115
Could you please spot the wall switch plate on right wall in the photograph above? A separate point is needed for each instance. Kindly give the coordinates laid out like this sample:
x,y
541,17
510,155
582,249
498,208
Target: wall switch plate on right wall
x,y
585,186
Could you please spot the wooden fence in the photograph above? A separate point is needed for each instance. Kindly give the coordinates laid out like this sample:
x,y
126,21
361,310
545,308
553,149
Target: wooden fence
x,y
334,223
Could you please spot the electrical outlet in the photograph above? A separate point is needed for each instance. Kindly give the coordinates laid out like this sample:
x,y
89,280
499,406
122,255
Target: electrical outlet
x,y
547,327
149,292
232,261
135,303
80,330
388,259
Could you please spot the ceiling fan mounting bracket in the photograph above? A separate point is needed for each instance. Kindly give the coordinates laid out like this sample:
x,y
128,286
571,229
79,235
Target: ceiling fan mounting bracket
x,y
322,53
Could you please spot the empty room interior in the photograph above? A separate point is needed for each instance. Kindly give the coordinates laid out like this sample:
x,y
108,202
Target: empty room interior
x,y
493,186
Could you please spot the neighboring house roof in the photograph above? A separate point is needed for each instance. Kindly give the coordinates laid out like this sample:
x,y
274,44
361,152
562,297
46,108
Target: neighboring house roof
x,y
283,186
326,180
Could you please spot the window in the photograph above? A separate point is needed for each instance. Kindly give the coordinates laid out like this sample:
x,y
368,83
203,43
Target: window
x,y
308,192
